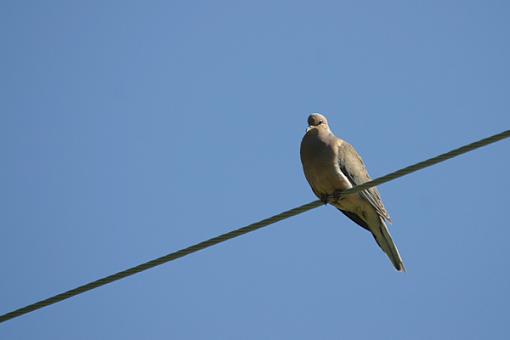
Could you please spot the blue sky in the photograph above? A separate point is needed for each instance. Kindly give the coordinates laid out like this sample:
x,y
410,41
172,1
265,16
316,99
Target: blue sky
x,y
132,129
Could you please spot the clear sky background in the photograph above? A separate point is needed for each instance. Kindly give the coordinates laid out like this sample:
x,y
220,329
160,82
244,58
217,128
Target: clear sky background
x,y
131,129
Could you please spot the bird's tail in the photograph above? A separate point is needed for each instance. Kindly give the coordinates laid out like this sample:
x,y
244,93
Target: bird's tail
x,y
383,238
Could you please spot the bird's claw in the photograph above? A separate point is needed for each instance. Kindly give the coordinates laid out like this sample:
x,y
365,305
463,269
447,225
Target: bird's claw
x,y
333,198
324,198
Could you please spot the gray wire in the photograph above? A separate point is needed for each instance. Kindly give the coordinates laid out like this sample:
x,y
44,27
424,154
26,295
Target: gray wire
x,y
241,231
428,162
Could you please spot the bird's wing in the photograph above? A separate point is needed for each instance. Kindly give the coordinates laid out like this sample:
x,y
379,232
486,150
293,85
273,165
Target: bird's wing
x,y
356,172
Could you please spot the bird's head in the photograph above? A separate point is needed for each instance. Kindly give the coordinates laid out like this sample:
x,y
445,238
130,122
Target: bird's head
x,y
317,122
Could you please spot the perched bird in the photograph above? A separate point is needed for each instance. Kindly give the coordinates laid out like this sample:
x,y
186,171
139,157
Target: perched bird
x,y
331,165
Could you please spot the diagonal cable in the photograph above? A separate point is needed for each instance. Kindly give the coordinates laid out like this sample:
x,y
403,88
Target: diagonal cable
x,y
429,162
252,227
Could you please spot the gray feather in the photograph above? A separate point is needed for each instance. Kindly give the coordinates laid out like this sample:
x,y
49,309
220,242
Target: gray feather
x,y
332,165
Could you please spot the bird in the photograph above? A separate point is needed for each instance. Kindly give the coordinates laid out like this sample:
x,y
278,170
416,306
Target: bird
x,y
331,165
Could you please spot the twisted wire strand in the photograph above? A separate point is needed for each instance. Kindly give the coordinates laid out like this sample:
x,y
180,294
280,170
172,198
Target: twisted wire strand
x,y
429,162
160,260
249,228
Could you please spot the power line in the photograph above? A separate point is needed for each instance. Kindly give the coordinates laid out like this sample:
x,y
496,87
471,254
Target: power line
x,y
252,227
429,162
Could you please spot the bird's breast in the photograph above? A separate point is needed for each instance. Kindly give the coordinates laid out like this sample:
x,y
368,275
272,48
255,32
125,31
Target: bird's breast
x,y
320,165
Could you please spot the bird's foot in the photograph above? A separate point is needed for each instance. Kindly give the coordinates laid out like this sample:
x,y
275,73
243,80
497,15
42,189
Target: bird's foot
x,y
324,198
336,196
333,198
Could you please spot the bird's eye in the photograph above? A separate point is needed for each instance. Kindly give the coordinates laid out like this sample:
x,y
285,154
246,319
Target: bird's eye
x,y
320,122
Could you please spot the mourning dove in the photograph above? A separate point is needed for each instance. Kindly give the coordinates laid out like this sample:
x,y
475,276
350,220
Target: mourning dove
x,y
331,165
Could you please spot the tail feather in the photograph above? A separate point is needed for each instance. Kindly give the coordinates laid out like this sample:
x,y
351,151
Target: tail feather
x,y
382,236
385,241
